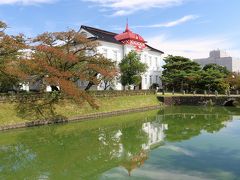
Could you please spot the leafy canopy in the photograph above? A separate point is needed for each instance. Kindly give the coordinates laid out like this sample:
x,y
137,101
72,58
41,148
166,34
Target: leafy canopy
x,y
178,71
10,50
182,73
63,58
213,79
131,69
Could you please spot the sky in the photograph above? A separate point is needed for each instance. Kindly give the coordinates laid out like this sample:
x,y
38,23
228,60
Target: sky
x,y
189,28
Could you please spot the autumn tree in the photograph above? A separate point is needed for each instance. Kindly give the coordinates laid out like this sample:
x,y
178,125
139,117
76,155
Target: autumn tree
x,y
60,59
10,50
234,81
131,69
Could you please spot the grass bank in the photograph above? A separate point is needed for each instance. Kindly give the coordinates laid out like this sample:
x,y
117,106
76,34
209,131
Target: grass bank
x,y
8,114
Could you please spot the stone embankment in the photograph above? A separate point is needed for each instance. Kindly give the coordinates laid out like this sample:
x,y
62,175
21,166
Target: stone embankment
x,y
199,100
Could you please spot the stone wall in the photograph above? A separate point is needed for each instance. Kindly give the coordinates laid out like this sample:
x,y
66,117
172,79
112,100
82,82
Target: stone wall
x,y
197,100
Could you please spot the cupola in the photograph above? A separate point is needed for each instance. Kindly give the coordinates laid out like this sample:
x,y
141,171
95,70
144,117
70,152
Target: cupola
x,y
131,38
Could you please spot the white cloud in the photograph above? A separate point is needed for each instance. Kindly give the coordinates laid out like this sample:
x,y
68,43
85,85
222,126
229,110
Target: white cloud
x,y
126,7
172,23
149,171
179,150
197,47
25,2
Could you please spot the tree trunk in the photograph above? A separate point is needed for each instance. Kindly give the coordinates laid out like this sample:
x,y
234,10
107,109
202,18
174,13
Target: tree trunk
x,y
181,86
54,88
90,84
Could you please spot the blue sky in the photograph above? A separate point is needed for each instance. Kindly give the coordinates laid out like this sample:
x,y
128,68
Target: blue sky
x,y
181,27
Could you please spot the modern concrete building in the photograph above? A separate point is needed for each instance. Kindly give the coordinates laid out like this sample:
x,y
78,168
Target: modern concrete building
x,y
221,58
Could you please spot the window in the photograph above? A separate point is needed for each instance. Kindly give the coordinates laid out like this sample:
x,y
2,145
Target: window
x,y
150,80
115,57
156,61
105,53
146,81
145,59
150,60
156,79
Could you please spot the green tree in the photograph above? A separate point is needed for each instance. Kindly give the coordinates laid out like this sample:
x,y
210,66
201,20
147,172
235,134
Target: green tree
x,y
131,69
180,73
217,67
213,78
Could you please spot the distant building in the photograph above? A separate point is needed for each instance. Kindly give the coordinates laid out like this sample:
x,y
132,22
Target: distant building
x,y
221,58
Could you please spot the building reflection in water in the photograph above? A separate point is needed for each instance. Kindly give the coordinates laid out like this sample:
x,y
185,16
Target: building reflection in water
x,y
155,138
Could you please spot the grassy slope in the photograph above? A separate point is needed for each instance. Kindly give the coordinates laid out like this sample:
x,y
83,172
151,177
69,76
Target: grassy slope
x,y
8,113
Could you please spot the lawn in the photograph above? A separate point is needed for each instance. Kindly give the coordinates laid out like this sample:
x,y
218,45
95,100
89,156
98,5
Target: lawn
x,y
8,114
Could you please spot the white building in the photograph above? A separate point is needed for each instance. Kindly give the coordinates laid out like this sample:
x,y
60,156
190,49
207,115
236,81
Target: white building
x,y
221,58
116,46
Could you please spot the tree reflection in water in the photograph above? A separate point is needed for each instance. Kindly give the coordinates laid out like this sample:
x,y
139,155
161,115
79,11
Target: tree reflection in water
x,y
86,150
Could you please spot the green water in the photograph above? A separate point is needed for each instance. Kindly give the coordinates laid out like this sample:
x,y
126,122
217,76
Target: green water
x,y
171,143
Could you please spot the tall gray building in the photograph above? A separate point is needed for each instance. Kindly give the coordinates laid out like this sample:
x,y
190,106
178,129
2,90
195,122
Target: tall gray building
x,y
221,58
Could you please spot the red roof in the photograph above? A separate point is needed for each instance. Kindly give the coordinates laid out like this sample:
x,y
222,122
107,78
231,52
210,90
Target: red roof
x,y
129,35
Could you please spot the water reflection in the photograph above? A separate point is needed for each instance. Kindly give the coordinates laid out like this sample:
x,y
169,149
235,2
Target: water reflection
x,y
92,150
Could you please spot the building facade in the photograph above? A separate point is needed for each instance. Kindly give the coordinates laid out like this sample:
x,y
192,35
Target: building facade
x,y
221,58
116,46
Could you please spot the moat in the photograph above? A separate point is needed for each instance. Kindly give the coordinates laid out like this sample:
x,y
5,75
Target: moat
x,y
171,143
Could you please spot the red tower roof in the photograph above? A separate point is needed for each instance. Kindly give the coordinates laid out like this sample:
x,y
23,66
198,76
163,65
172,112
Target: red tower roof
x,y
128,37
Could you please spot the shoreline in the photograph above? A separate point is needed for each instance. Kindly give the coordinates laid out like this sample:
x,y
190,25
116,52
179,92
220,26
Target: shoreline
x,y
87,117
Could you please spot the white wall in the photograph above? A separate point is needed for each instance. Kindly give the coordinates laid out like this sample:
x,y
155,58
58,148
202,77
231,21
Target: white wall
x,y
153,60
115,52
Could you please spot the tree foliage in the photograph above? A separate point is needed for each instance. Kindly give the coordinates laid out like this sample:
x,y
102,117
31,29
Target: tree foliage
x,y
213,78
234,81
10,50
61,59
221,69
131,69
180,73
